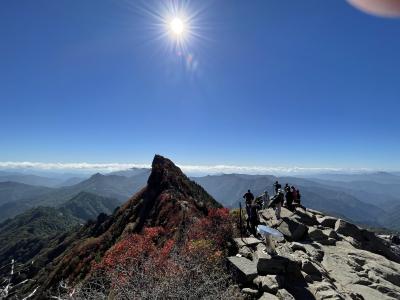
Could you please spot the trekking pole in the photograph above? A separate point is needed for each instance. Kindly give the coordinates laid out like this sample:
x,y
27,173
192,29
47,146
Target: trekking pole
x,y
240,220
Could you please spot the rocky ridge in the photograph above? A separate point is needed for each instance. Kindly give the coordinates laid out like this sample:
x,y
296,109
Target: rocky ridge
x,y
169,200
320,257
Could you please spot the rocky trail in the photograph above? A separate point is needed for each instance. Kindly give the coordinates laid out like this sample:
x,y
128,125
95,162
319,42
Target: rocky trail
x,y
320,257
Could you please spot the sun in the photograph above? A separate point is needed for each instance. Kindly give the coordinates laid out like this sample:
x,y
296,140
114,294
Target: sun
x,y
177,26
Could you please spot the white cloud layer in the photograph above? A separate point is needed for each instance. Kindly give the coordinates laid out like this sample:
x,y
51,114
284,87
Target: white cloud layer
x,y
189,169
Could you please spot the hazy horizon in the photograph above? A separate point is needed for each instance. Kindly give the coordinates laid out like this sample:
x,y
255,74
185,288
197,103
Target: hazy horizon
x,y
84,168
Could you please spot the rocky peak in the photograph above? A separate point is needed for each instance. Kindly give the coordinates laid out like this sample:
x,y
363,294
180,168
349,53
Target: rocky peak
x,y
164,174
170,200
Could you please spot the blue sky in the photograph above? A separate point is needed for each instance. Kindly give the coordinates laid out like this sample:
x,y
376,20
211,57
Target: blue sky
x,y
273,82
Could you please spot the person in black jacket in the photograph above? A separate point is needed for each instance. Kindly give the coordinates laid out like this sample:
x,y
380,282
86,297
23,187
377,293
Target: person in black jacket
x,y
248,198
277,202
298,197
277,186
253,217
289,199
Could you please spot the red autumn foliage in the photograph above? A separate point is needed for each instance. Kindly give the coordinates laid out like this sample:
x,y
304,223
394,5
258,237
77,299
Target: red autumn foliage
x,y
216,227
205,243
135,248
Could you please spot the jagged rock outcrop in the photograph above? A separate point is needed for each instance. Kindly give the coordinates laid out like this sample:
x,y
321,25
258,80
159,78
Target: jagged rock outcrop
x,y
170,200
328,258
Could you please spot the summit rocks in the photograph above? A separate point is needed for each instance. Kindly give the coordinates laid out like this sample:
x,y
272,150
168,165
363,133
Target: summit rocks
x,y
321,257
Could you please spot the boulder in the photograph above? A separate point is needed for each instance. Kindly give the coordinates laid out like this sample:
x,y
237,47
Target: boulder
x,y
307,277
248,242
268,215
325,290
295,246
267,265
366,240
361,272
329,242
332,234
327,221
269,283
268,296
316,234
243,269
277,264
319,236
305,217
315,212
311,269
292,229
314,252
283,294
246,252
250,292
346,228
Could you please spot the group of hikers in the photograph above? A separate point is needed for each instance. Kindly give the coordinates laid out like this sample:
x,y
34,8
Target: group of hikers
x,y
289,197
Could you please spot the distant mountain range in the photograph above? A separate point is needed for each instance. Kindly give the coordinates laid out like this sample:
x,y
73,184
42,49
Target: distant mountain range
x,y
87,206
16,198
363,201
33,179
25,235
371,198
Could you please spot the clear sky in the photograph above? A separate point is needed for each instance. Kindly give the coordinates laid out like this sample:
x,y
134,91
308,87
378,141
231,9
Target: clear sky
x,y
271,82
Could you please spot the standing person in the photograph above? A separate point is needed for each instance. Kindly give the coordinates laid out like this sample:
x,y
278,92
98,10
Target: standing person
x,y
265,200
294,194
278,202
289,199
287,188
277,186
298,197
253,216
248,198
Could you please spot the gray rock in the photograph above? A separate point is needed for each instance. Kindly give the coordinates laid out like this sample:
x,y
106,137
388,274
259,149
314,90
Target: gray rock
x,y
346,228
292,229
365,240
278,264
315,253
327,221
268,296
311,269
307,277
319,236
332,234
329,242
246,252
283,294
249,242
267,265
243,269
269,283
295,246
316,234
325,290
250,292
360,272
305,217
